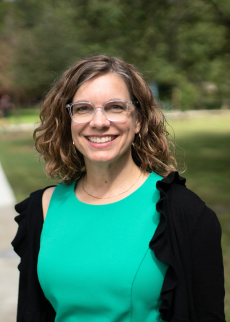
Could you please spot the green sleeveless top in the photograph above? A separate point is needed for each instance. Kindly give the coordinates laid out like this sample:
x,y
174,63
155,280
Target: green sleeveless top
x,y
95,263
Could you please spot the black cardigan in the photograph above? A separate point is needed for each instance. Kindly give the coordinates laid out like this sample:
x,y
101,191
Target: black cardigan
x,y
188,238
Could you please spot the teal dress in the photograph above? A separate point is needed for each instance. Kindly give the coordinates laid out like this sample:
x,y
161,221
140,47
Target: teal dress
x,y
95,263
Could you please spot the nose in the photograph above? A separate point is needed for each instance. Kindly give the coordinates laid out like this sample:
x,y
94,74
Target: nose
x,y
99,120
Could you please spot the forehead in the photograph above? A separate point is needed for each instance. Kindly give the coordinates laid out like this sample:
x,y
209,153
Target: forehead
x,y
102,88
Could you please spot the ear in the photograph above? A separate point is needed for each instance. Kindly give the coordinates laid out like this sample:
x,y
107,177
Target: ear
x,y
138,123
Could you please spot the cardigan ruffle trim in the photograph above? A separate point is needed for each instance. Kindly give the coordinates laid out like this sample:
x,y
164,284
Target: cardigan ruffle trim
x,y
162,247
159,244
22,209
21,235
33,306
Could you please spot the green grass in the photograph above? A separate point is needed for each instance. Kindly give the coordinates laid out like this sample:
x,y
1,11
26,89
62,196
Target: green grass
x,y
204,141
22,116
20,163
205,146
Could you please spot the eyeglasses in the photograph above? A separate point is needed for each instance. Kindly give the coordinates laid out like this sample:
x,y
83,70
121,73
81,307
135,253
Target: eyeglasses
x,y
83,112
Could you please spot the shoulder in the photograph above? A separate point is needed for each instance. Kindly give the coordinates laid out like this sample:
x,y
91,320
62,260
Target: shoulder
x,y
32,207
185,199
174,191
26,244
46,200
183,205
30,222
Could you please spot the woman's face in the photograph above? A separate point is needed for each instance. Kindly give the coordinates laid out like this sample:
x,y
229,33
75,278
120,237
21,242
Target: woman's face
x,y
118,135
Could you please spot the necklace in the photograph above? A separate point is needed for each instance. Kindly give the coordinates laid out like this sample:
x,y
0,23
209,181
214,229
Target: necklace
x,y
111,196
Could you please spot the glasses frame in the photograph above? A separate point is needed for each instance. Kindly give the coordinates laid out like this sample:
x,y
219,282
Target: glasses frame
x,y
69,107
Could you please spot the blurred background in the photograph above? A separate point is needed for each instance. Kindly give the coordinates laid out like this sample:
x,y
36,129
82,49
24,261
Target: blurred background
x,y
182,47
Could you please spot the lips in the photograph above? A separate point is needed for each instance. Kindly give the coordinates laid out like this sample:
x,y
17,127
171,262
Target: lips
x,y
101,139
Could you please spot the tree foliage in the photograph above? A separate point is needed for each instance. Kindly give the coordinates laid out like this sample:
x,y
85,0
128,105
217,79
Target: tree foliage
x,y
178,43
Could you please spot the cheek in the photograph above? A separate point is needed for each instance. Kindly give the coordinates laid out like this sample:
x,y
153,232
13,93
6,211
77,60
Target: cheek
x,y
76,136
137,122
75,130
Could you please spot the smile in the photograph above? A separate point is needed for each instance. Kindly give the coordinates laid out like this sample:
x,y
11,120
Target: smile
x,y
103,139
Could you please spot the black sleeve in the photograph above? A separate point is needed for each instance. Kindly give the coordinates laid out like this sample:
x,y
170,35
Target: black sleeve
x,y
20,247
32,304
207,268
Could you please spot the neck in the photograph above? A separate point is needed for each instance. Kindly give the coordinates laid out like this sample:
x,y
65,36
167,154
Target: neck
x,y
107,178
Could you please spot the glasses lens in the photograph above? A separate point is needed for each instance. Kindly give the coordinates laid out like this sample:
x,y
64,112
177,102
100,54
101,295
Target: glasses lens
x,y
82,112
116,110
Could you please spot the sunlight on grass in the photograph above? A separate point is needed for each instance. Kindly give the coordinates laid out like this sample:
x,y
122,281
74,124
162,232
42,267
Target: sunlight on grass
x,y
206,144
23,116
209,123
20,163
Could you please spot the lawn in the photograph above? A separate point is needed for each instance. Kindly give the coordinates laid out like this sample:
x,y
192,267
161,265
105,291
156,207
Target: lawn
x,y
20,162
203,143
24,115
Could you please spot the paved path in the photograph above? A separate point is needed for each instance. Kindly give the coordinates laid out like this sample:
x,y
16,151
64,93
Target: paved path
x,y
8,266
7,197
8,259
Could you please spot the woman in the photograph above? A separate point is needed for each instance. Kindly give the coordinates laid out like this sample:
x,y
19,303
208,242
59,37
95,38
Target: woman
x,y
121,238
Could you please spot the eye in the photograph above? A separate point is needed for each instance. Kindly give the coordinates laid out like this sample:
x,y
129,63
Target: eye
x,y
81,108
115,107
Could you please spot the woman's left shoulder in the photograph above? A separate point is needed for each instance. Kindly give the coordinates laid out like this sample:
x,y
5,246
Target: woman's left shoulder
x,y
185,204
174,190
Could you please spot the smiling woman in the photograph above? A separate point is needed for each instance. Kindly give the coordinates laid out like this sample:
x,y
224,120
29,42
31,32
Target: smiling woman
x,y
101,140
84,83
120,238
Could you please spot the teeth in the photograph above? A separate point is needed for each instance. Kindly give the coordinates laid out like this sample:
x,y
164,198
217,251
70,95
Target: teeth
x,y
101,140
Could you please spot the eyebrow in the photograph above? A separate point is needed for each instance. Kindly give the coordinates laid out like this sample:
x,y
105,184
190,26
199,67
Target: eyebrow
x,y
112,99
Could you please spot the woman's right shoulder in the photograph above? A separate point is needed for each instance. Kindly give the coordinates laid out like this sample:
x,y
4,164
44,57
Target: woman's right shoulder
x,y
34,201
46,197
30,222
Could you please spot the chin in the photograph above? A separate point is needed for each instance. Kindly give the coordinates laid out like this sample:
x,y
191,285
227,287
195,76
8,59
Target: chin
x,y
102,158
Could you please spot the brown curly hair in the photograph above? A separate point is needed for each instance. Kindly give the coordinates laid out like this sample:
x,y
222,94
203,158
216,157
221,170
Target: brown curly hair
x,y
53,139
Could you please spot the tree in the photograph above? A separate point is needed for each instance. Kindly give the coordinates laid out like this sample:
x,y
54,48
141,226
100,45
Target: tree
x,y
179,44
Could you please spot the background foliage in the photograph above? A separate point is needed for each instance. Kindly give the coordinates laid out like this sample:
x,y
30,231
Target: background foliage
x,y
180,44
